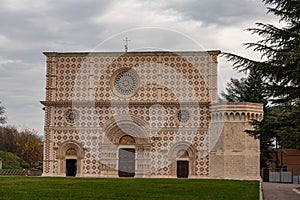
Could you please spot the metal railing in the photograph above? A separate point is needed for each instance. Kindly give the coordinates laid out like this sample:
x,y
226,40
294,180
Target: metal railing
x,y
279,175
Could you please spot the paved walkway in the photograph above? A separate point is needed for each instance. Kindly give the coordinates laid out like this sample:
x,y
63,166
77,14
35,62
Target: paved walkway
x,y
280,191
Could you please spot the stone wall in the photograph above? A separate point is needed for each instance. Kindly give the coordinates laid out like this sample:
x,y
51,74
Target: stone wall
x,y
234,154
165,101
87,98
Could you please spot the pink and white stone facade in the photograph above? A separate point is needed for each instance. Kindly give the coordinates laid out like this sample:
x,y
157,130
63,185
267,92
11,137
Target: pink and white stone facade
x,y
161,105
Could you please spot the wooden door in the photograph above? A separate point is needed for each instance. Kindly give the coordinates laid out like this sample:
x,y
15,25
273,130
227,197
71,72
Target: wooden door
x,y
71,167
182,169
126,163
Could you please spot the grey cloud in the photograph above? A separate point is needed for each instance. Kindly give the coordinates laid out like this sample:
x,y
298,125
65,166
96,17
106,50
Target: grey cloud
x,y
68,25
219,11
148,38
79,11
61,22
22,87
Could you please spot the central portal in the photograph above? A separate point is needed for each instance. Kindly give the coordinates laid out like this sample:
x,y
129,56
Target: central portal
x,y
126,162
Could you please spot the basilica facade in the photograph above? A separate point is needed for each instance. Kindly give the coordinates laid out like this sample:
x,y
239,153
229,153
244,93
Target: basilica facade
x,y
144,114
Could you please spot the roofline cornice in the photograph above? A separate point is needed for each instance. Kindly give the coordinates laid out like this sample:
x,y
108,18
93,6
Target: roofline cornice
x,y
146,53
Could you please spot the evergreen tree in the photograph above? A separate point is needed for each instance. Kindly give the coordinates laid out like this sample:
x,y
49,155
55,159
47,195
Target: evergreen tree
x,y
250,89
255,89
235,90
280,70
281,50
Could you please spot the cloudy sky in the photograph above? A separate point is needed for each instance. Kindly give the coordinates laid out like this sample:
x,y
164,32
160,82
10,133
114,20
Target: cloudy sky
x,y
28,28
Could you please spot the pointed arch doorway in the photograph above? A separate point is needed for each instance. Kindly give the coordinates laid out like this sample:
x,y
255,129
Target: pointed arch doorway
x,y
126,167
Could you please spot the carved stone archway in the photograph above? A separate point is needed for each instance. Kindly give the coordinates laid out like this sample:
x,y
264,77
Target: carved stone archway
x,y
137,131
127,140
70,150
119,126
182,151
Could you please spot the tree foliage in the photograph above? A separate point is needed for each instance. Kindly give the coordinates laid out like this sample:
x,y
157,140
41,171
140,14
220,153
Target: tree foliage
x,y
25,144
250,89
235,90
279,69
2,116
280,49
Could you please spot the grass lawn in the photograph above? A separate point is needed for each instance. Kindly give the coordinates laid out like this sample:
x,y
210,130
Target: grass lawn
x,y
96,188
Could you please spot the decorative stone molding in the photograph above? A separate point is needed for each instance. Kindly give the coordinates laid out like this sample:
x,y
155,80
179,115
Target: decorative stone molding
x,y
125,82
182,116
176,148
178,151
119,126
71,116
181,53
120,103
62,153
231,112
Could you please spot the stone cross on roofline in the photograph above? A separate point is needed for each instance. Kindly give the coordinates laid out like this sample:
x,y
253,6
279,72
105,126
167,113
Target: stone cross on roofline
x,y
126,40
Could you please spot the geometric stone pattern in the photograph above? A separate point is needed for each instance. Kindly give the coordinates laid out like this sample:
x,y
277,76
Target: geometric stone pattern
x,y
166,77
160,99
158,117
92,131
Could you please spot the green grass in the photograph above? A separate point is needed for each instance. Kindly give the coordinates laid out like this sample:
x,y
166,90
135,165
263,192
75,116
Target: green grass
x,y
96,188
